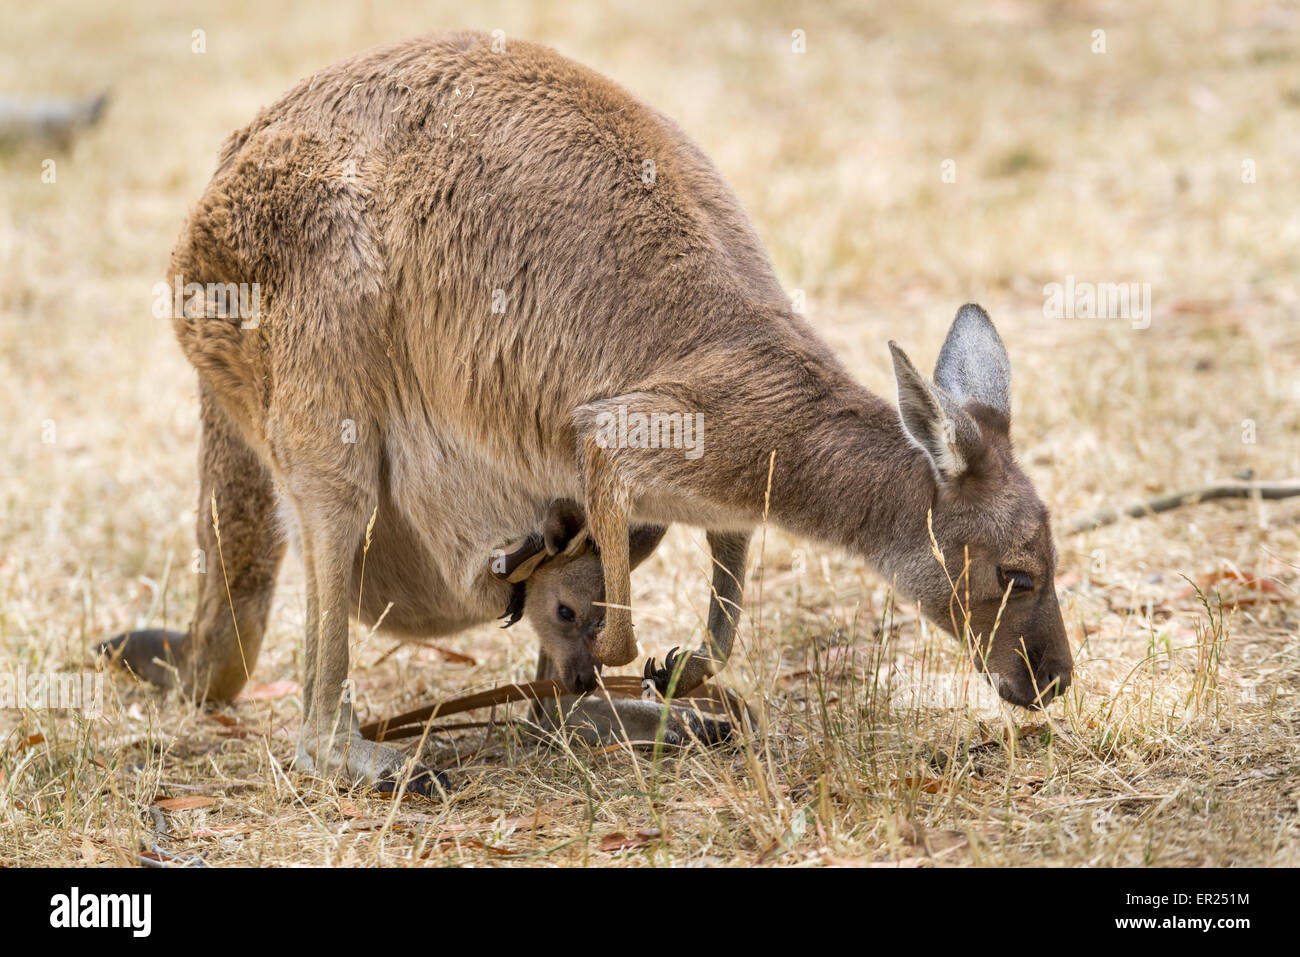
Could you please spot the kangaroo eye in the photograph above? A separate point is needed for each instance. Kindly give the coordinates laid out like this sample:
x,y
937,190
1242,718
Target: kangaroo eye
x,y
1019,581
565,613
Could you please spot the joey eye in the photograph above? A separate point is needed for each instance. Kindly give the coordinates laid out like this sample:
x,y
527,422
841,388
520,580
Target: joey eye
x,y
565,613
1018,580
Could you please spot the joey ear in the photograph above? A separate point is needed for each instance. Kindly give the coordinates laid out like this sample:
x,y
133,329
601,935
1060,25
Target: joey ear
x,y
565,527
934,422
642,541
515,562
973,364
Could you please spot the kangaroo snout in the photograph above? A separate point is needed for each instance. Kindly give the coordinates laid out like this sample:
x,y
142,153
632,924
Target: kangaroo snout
x,y
1034,689
581,673
1034,676
579,669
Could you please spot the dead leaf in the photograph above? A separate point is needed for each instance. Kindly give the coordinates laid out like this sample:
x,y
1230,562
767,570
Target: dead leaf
x,y
622,745
713,802
234,727
618,841
273,689
1028,782
455,657
927,785
184,803
472,843
531,822
226,830
908,862
1265,590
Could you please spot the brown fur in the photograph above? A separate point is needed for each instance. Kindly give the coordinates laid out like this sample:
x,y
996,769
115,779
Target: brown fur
x,y
523,172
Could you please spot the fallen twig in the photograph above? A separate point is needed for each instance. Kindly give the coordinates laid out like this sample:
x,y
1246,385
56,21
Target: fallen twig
x,y
412,723
1088,521
151,853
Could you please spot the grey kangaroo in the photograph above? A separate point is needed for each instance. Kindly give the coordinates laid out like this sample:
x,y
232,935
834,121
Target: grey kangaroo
x,y
480,265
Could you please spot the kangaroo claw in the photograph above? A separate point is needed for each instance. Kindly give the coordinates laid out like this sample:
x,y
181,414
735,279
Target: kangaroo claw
x,y
662,676
709,731
423,781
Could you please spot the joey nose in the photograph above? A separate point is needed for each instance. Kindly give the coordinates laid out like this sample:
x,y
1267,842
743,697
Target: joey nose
x,y
581,672
582,681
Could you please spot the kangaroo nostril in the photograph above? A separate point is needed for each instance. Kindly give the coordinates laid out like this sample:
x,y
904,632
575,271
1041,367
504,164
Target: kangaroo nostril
x,y
1053,682
1051,671
582,681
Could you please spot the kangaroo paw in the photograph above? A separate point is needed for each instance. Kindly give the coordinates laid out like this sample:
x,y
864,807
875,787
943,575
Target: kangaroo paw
x,y
685,727
422,781
615,643
149,655
708,730
695,671
661,676
358,761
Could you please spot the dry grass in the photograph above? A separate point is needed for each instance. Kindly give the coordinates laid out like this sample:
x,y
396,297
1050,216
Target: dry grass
x,y
1178,743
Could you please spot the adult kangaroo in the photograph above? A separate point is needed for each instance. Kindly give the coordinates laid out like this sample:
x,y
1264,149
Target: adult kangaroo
x,y
476,267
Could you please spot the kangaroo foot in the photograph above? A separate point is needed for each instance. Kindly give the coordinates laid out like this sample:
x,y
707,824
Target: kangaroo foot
x,y
150,655
707,729
695,671
365,762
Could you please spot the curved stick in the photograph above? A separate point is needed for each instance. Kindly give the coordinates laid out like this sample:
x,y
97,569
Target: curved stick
x,y
1088,521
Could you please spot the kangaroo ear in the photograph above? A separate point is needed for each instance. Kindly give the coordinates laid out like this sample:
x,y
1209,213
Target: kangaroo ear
x,y
973,364
565,528
934,422
515,562
643,540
